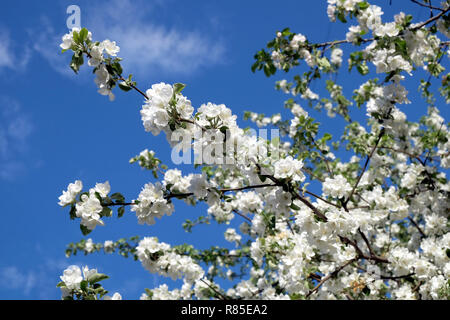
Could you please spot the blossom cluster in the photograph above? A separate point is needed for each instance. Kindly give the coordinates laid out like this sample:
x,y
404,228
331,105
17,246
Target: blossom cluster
x,y
157,257
313,226
83,284
88,207
98,53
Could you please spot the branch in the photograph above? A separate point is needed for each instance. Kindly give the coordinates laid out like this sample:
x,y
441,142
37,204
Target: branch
x,y
221,296
309,205
373,256
324,200
427,5
380,135
294,193
354,244
249,187
332,274
431,19
323,157
333,43
135,88
242,215
404,152
312,174
417,227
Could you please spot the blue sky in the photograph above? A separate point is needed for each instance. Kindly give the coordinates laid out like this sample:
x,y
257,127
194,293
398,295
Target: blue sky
x,y
55,128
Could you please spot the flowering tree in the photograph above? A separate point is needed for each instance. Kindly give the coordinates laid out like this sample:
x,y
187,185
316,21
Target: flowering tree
x,y
377,230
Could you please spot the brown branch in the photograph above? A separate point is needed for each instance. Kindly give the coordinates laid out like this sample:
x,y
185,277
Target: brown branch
x,y
294,193
431,19
309,205
135,88
427,5
242,215
397,277
221,296
332,274
417,227
380,135
361,255
404,152
322,156
366,241
249,187
320,198
333,43
312,174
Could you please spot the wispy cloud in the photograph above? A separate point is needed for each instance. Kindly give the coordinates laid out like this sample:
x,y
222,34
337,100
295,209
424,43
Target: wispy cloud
x,y
8,56
47,45
15,128
146,46
153,47
13,279
37,282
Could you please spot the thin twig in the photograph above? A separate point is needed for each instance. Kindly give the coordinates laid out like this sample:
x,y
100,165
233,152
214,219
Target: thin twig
x,y
427,5
380,135
332,274
417,227
431,19
214,289
320,198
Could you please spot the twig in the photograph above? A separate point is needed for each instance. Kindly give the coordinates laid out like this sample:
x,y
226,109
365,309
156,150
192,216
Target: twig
x,y
309,205
323,157
380,135
332,274
242,215
214,289
320,198
427,5
249,187
431,19
417,227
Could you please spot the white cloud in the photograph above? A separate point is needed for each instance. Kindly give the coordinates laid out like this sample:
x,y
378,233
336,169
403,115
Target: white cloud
x,y
12,278
8,58
47,44
147,48
38,282
151,47
15,129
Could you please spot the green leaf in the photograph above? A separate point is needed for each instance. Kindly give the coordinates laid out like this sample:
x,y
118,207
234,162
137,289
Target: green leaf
x,y
76,37
117,68
73,212
269,69
60,284
363,5
118,197
97,278
83,285
83,35
178,87
124,86
341,17
106,212
77,61
121,211
294,207
84,230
